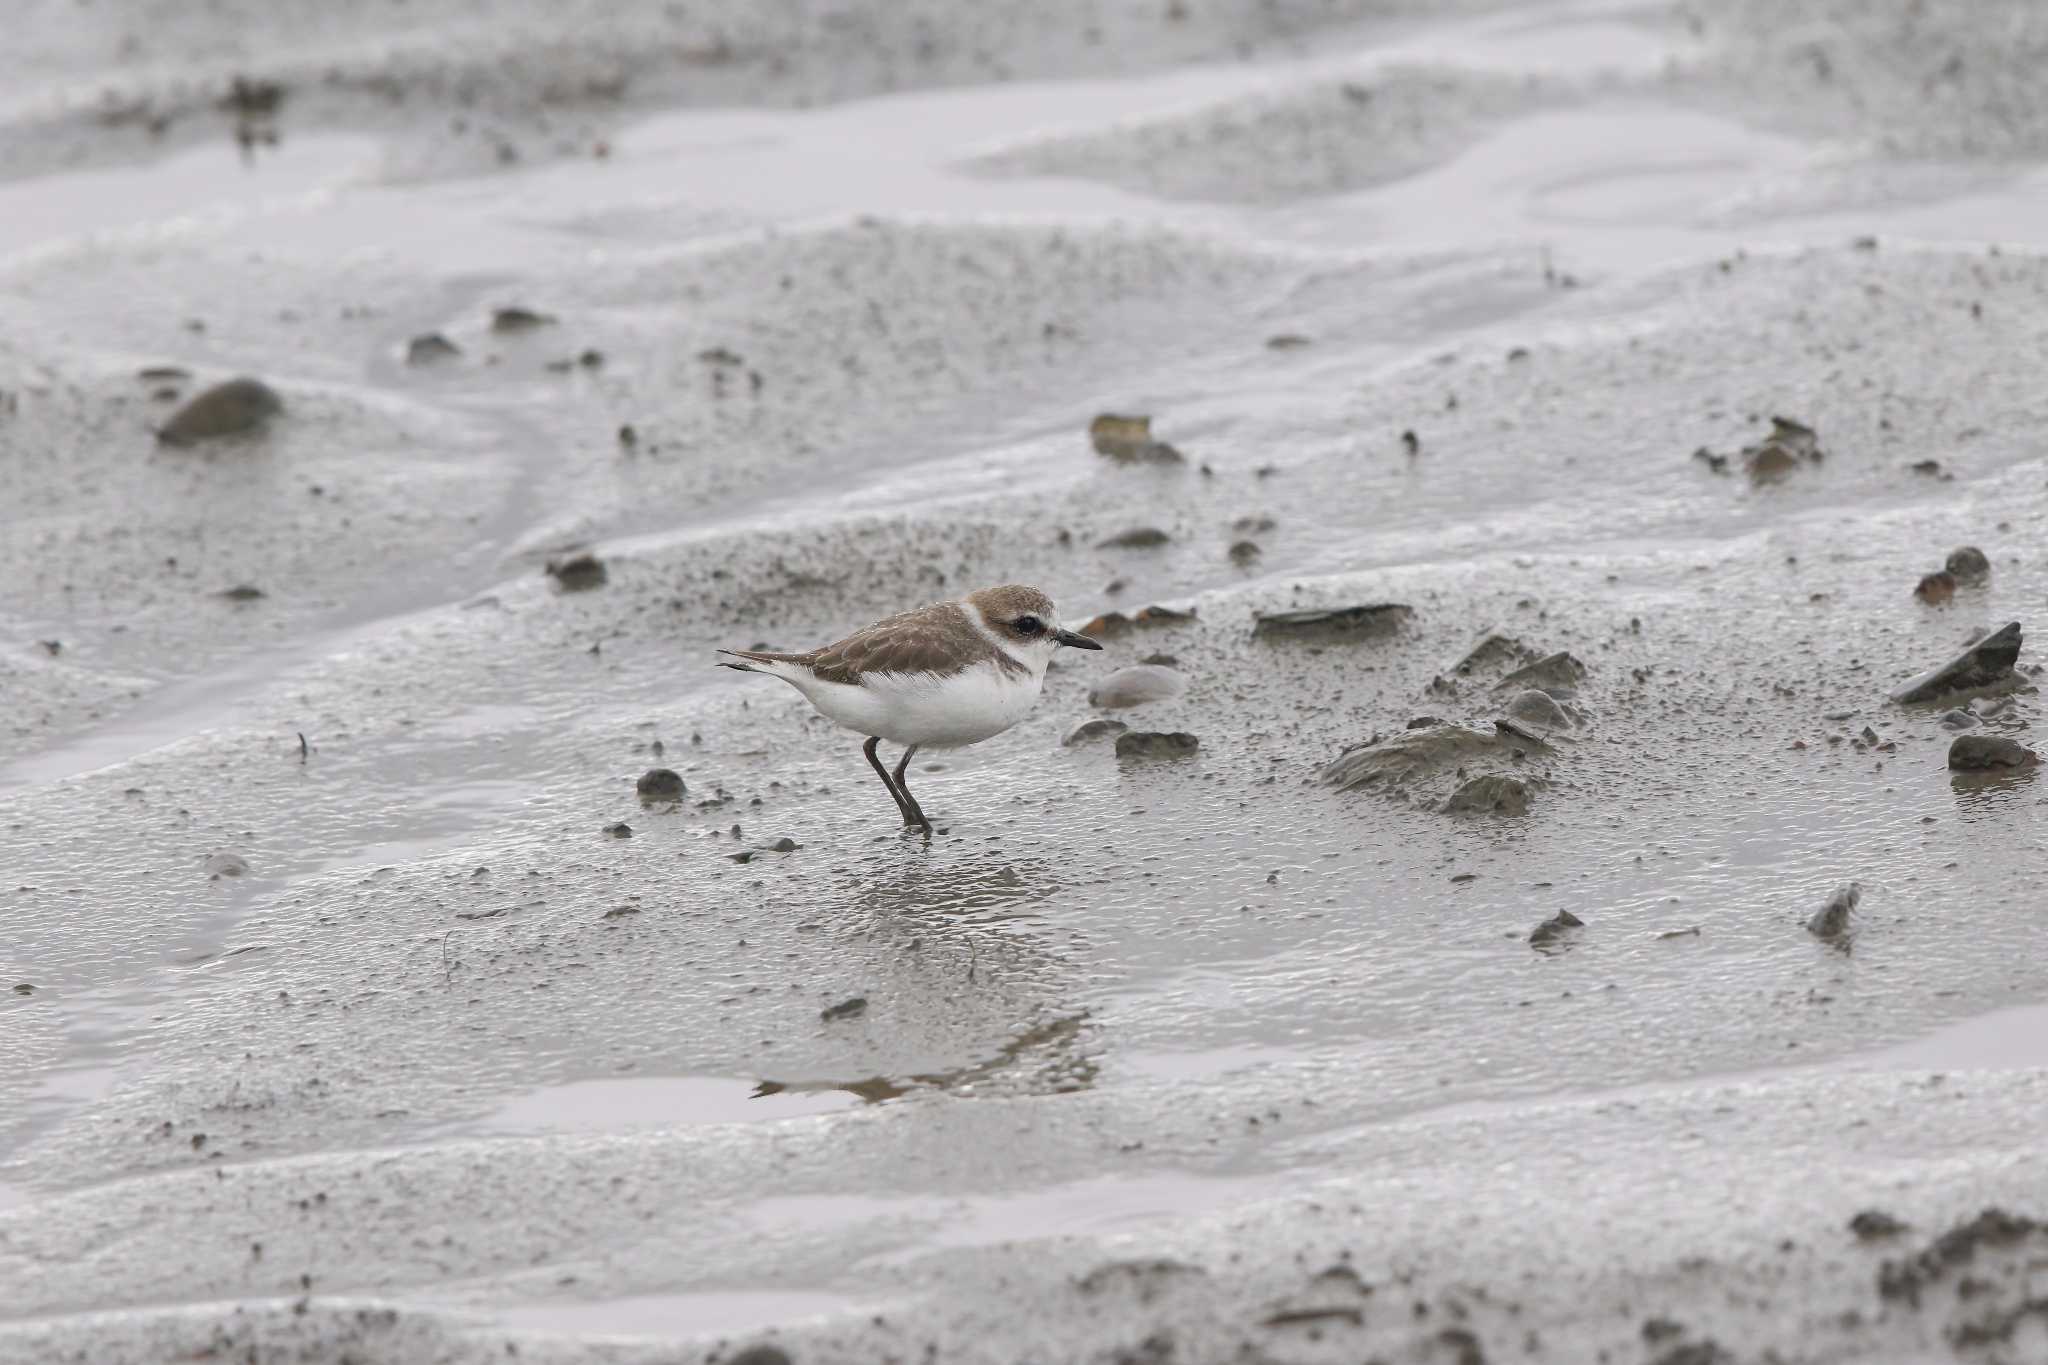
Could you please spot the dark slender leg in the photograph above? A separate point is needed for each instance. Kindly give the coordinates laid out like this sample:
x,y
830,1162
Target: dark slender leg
x,y
883,773
913,814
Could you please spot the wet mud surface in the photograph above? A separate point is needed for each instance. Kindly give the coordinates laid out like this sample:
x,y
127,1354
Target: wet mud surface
x,y
1573,807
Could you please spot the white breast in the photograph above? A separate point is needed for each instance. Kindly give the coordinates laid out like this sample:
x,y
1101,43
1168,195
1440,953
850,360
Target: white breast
x,y
918,708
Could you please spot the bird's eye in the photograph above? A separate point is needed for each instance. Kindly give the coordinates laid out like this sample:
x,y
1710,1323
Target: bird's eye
x,y
1028,625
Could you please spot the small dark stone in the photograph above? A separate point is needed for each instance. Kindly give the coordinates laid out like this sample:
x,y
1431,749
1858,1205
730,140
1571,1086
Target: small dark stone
x,y
1411,443
517,319
621,830
628,437
660,784
233,408
242,592
1716,464
578,572
1154,744
1986,663
1162,660
430,347
1983,753
1968,564
759,1355
1958,719
1936,588
1875,1225
785,844
1128,440
1554,933
1830,923
1093,729
1244,552
24,988
845,1009
1286,341
591,359
1778,454
1136,538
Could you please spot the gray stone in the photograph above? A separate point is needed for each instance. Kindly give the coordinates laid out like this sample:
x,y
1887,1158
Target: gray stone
x,y
1093,729
1985,753
1558,674
1377,618
1986,663
235,408
1136,685
1156,744
1830,923
1968,564
1491,795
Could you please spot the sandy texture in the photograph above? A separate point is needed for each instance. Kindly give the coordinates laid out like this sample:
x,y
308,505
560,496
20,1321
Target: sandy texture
x,y
357,1005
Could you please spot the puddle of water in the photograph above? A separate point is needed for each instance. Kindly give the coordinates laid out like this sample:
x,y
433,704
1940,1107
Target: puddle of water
x,y
1104,1204
2006,1040
674,1315
1202,1065
207,183
654,1102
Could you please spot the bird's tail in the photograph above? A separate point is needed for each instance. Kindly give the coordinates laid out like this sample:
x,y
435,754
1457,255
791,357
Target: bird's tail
x,y
748,660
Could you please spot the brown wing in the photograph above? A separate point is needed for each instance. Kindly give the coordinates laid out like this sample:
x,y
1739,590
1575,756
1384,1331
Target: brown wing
x,y
935,639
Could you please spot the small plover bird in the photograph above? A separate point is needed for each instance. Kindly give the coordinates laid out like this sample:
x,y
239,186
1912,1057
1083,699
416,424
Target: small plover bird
x,y
940,677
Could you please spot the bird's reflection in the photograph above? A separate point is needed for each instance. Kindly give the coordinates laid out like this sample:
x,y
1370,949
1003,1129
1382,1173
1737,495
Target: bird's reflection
x,y
967,924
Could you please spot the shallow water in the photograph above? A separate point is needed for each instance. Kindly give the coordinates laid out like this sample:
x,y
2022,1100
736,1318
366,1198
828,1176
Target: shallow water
x,y
1115,1006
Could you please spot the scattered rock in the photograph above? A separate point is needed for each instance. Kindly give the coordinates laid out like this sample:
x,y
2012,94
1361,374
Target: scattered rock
x,y
1253,525
1926,468
1346,623
1984,753
1830,923
1958,719
1112,625
1716,464
233,408
24,988
1136,685
1156,744
1129,440
163,374
1993,1228
1875,1225
1554,934
1936,588
845,1009
429,348
659,784
517,319
763,1354
1407,756
1537,710
1245,552
784,844
1287,341
1968,564
1136,538
1558,674
621,911
1491,795
578,572
1789,445
242,592
621,830
1493,650
1163,660
1985,663
225,865
1093,729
